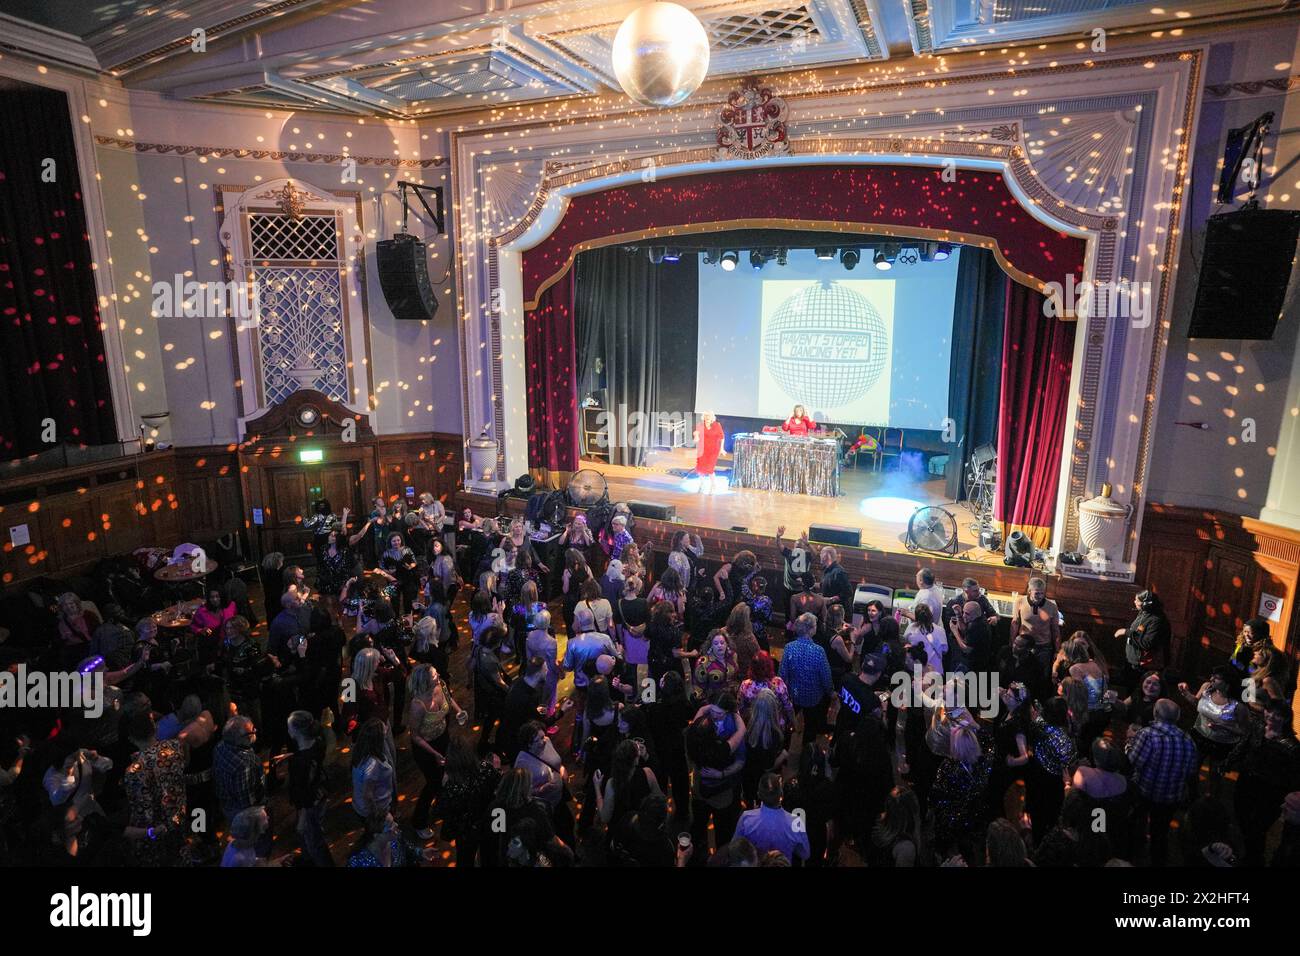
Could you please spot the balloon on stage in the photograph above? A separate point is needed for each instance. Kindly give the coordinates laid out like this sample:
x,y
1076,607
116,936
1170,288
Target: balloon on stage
x,y
661,54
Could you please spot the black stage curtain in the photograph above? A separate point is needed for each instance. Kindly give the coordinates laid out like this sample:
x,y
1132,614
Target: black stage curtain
x,y
975,377
640,321
52,362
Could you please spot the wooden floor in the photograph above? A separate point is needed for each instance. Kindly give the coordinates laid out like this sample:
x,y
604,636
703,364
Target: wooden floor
x,y
762,512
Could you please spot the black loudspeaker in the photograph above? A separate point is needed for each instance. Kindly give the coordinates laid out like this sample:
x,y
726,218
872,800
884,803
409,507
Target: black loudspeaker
x,y
1245,270
651,509
404,277
835,534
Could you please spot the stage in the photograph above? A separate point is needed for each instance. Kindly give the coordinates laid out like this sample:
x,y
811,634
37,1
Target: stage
x,y
877,502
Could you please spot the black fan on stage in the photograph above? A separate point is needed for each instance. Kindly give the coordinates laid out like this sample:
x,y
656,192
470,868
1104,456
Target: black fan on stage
x,y
932,529
587,488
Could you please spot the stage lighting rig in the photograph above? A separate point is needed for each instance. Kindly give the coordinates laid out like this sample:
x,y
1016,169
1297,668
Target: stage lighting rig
x,y
942,251
656,254
824,252
782,256
672,254
849,258
712,255
729,260
881,262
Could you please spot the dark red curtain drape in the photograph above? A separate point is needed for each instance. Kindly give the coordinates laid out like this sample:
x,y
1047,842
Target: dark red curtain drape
x,y
551,380
1037,350
52,363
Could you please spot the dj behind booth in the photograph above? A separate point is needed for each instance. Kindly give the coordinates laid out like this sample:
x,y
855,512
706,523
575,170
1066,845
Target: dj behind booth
x,y
795,457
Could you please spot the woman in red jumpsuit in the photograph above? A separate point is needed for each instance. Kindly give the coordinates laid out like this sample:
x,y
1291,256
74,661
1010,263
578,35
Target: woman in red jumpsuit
x,y
799,424
708,443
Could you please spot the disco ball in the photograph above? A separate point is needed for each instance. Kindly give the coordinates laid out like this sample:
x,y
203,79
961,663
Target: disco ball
x,y
826,346
661,54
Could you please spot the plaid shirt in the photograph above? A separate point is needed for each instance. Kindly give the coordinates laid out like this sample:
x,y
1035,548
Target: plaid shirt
x,y
238,776
806,672
1164,759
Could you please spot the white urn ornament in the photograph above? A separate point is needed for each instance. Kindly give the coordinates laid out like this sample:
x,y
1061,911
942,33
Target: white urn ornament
x,y
1101,524
483,458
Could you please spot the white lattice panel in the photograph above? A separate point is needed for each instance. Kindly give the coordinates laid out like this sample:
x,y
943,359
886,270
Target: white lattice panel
x,y
760,29
277,236
301,341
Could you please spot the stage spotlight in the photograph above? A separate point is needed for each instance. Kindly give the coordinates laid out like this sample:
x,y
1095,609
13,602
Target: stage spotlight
x,y
1019,551
880,262
711,256
849,258
672,255
942,251
729,260
926,249
824,252
756,258
782,256
656,254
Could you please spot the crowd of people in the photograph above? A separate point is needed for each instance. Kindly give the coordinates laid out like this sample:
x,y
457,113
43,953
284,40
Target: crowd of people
x,y
574,698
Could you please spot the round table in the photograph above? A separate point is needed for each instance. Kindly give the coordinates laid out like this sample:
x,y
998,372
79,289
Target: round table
x,y
184,572
179,616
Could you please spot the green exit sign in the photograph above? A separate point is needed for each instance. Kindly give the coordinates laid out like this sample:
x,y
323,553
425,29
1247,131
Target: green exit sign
x,y
310,455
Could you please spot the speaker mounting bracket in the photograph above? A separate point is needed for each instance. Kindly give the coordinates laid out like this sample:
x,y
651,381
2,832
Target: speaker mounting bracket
x,y
438,217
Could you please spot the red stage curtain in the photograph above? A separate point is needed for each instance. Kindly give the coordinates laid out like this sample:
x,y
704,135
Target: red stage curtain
x,y
551,380
976,208
52,361
1036,356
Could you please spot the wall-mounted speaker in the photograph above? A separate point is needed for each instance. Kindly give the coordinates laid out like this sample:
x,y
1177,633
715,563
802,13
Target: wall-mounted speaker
x,y
1245,270
835,534
403,267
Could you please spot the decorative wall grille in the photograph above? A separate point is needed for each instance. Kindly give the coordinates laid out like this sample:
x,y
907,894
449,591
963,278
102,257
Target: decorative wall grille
x,y
301,339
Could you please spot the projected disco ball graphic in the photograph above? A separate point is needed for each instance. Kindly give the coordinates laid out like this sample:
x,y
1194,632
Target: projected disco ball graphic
x,y
826,345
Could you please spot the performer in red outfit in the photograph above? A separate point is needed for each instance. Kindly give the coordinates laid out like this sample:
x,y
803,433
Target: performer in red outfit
x,y
708,444
799,423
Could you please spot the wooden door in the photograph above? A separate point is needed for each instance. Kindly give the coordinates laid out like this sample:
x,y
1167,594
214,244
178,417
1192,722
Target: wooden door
x,y
291,491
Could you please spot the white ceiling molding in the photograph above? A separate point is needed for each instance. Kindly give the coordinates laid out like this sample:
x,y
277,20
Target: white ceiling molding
x,y
945,25
44,43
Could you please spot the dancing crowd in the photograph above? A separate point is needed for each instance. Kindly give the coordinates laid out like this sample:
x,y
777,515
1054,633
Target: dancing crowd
x,y
556,696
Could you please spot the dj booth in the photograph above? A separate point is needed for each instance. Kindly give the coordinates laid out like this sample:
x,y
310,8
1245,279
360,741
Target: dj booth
x,y
778,462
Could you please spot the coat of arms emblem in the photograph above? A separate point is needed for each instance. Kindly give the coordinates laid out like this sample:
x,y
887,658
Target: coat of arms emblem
x,y
752,123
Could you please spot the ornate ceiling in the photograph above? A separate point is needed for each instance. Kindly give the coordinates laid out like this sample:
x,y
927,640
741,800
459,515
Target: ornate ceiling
x,y
416,58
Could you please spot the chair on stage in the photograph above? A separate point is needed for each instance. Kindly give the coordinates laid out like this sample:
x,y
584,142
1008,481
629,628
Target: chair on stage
x,y
891,446
868,444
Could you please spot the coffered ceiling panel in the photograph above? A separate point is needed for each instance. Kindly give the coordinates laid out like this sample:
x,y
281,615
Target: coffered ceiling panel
x,y
415,58
948,24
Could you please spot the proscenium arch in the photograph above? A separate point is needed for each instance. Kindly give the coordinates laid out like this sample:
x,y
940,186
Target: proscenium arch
x,y
561,184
